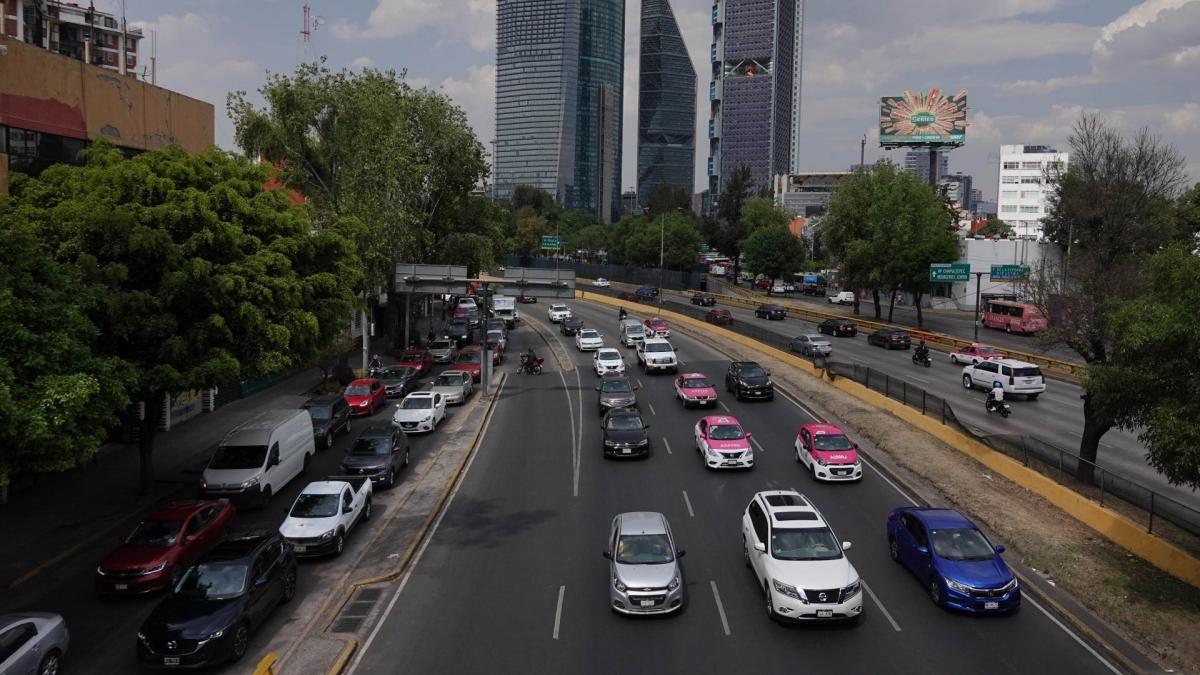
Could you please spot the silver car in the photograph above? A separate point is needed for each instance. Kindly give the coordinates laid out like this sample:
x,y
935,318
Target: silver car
x,y
442,350
454,385
644,576
33,642
812,345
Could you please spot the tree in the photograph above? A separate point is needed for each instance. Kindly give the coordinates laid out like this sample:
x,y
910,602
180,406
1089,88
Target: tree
x,y
592,238
528,229
1113,206
201,277
773,251
994,227
539,200
667,198
763,212
1148,383
676,236
726,232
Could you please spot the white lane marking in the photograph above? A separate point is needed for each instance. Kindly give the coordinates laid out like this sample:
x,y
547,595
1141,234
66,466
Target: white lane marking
x,y
558,610
918,379
688,502
887,615
889,481
808,413
666,445
725,406
462,478
758,445
651,406
579,436
680,362
1025,598
571,416
720,607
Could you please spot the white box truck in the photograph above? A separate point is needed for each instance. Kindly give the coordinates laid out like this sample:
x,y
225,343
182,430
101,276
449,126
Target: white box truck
x,y
505,308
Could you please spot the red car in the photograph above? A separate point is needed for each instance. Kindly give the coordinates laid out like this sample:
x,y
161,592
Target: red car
x,y
497,350
365,396
762,283
719,317
168,540
469,360
526,299
421,359
657,327
975,353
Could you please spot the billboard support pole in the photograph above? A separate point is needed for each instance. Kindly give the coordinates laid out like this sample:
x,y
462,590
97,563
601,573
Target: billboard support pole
x,y
978,277
933,164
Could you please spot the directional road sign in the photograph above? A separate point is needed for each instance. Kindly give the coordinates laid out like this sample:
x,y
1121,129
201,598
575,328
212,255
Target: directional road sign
x,y
949,271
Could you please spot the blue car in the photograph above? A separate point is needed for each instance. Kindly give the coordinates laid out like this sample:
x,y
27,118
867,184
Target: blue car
x,y
958,566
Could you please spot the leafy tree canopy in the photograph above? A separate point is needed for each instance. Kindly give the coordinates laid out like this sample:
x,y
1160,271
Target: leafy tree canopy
x,y
773,251
994,227
668,198
760,212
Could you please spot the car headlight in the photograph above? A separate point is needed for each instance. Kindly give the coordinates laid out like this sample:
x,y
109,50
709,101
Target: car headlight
x,y
850,590
786,589
142,637
955,586
217,634
857,462
246,485
822,462
156,569
674,584
609,443
1010,586
100,571
428,418
743,383
327,535
644,441
618,585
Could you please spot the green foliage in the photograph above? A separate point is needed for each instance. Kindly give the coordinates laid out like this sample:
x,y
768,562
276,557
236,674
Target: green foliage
x,y
773,251
591,238
668,198
539,200
528,228
994,227
640,239
1149,382
758,212
727,231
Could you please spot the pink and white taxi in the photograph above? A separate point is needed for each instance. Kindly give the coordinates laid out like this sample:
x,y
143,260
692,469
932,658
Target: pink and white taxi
x,y
695,389
826,451
723,444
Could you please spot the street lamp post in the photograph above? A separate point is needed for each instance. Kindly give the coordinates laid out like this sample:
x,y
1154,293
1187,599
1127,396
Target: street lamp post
x,y
662,230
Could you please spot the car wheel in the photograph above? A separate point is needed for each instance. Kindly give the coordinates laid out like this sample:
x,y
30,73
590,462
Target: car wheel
x,y
339,544
745,552
266,495
328,439
935,592
50,663
347,429
367,509
954,359
770,604
406,454
894,549
241,638
1008,328
390,479
966,381
289,586
304,467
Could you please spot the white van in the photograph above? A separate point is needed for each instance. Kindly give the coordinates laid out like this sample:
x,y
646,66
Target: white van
x,y
632,332
259,457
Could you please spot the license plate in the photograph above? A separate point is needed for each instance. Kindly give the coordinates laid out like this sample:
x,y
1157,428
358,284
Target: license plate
x,y
170,660
731,463
991,605
647,603
300,548
121,587
824,613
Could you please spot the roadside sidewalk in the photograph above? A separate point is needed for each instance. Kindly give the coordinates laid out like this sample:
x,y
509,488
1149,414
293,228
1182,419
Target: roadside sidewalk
x,y
63,513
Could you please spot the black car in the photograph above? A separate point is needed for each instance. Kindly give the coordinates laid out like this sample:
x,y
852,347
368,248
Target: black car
x,y
459,331
399,381
625,434
570,325
837,327
889,338
229,592
379,452
330,415
646,293
497,324
704,299
616,391
627,295
747,379
771,312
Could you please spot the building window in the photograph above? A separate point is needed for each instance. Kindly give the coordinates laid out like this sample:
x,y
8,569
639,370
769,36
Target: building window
x,y
1010,180
1012,165
1009,194
1008,208
1031,194
1031,180
1030,209
1031,165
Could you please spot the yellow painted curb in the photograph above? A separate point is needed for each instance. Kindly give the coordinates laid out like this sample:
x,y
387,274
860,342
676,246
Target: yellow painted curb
x,y
1114,526
343,658
266,665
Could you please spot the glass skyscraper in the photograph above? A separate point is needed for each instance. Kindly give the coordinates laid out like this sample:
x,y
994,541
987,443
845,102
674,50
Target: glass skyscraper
x,y
597,186
666,104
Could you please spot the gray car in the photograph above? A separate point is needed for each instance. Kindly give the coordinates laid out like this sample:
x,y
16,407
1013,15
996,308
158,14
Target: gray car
x,y
812,345
32,642
379,452
616,391
644,576
455,385
443,350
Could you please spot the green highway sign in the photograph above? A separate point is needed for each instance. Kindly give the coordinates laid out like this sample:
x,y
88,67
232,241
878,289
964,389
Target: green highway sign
x,y
1010,273
551,242
704,248
949,271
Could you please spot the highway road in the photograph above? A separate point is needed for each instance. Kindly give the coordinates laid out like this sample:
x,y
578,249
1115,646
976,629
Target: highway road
x,y
511,578
1055,417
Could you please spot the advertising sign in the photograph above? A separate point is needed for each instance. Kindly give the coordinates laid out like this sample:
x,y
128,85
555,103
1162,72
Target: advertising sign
x,y
949,271
1009,273
923,118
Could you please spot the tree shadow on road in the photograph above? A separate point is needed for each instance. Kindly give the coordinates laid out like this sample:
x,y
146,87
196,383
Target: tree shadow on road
x,y
485,523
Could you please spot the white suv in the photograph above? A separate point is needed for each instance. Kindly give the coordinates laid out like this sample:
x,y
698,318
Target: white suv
x,y
797,560
1017,377
656,354
557,313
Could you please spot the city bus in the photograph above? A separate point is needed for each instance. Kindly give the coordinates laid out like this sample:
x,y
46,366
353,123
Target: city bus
x,y
1014,317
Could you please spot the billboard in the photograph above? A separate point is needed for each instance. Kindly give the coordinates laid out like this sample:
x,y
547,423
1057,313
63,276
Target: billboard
x,y
923,118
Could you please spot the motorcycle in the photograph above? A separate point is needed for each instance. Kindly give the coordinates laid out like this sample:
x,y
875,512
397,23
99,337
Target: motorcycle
x,y
922,359
992,405
534,368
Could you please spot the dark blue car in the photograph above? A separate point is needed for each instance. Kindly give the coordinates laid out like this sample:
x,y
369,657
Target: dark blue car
x,y
958,566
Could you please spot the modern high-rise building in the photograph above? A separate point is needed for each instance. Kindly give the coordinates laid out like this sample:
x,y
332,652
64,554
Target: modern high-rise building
x,y
82,33
958,191
666,104
754,107
537,93
597,185
917,161
1024,185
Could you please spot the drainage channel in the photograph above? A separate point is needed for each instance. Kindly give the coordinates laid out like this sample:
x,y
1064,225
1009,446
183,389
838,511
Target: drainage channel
x,y
356,611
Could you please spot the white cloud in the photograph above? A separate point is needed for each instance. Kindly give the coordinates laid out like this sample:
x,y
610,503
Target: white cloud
x,y
449,21
476,94
362,62
1186,118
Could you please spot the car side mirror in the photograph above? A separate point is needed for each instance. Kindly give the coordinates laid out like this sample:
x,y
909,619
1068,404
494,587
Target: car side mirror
x,y
260,582
855,445
760,547
1000,548
189,538
749,435
645,426
845,546
607,555
923,550
597,387
680,553
636,387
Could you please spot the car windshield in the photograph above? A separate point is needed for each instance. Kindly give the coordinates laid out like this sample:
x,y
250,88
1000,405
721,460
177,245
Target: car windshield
x,y
558,308
589,333
320,412
238,457
725,432
372,446
495,334
815,543
608,356
447,380
358,390
818,340
468,357
625,423
457,326
413,356
155,533
1027,371
644,549
696,383
214,581
658,347
832,442
416,403
635,330
394,373
440,345
315,506
751,371
615,387
961,544
988,350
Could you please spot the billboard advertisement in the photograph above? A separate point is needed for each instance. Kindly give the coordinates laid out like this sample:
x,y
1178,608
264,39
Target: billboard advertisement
x,y
923,118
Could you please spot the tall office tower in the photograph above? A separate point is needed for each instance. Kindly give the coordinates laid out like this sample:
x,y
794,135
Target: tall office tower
x,y
917,161
666,151
537,93
797,77
1026,180
597,185
752,91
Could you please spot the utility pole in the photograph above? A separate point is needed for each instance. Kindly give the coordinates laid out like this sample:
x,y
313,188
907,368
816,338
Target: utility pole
x,y
662,231
978,277
862,152
485,362
933,164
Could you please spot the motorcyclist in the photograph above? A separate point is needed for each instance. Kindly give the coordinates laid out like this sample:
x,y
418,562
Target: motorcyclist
x,y
622,314
375,364
995,397
922,352
529,360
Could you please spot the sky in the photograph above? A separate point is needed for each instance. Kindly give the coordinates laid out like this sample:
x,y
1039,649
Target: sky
x,y
1030,66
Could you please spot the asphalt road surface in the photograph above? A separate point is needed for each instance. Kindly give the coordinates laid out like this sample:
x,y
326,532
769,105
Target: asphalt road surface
x,y
1055,417
511,579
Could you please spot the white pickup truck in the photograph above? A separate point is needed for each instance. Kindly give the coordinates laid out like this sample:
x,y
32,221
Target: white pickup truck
x,y
325,512
656,354
842,298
